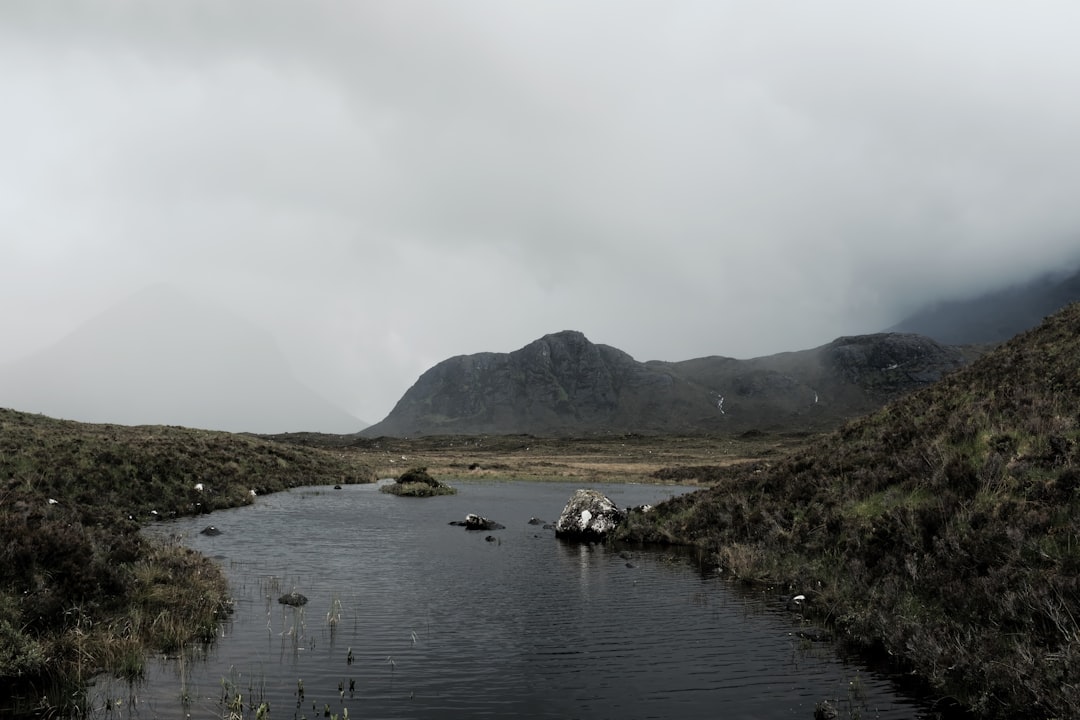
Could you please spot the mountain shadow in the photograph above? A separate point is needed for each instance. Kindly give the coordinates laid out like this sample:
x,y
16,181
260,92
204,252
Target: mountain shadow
x,y
563,384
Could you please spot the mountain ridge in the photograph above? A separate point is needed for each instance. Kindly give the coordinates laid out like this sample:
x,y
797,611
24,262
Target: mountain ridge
x,y
996,315
563,384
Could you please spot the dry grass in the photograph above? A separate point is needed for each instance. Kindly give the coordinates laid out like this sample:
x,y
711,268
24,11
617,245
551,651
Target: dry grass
x,y
608,459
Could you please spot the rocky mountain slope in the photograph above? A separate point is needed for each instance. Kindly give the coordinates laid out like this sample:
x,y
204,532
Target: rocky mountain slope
x,y
563,384
994,316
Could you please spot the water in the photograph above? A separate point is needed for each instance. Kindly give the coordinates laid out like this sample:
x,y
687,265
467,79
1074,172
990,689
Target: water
x,y
443,623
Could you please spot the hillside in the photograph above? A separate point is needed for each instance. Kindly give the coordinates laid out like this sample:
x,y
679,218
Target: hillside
x,y
162,357
81,589
563,384
943,529
994,316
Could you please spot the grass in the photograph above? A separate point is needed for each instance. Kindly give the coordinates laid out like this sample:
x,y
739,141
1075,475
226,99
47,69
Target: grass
x,y
942,529
417,482
81,589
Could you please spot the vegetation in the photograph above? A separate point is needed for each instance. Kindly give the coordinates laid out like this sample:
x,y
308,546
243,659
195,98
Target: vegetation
x,y
81,590
417,482
944,529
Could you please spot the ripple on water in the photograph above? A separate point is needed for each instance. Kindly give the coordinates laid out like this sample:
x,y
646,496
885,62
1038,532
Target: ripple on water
x,y
443,624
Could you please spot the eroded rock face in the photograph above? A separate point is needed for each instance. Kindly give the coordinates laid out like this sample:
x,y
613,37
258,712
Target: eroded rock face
x,y
588,516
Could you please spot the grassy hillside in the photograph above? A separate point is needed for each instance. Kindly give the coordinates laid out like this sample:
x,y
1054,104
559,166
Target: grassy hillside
x,y
81,590
944,529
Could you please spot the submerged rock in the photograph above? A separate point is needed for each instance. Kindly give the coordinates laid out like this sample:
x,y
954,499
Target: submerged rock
x,y
294,599
476,522
825,710
210,530
588,516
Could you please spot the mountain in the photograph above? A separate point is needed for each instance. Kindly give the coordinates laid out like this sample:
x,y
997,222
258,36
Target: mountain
x,y
994,316
943,530
563,384
161,357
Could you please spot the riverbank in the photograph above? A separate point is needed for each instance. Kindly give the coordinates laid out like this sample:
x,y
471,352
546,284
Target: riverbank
x,y
943,530
82,590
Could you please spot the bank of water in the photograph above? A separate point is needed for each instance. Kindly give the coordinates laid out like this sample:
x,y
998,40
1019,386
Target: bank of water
x,y
410,617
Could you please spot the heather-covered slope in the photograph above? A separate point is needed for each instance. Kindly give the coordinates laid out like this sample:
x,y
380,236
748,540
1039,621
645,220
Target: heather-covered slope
x,y
944,528
81,590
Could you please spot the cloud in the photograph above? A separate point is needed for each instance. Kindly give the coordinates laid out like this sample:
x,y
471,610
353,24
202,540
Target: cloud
x,y
383,185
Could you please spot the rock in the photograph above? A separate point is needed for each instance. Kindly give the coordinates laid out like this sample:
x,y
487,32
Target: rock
x,y
535,521
588,516
796,603
210,530
825,710
294,599
475,522
813,635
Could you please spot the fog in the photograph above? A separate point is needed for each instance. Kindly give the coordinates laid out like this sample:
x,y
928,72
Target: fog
x,y
378,186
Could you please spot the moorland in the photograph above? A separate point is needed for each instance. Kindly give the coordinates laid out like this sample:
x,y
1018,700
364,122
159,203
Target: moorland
x,y
942,530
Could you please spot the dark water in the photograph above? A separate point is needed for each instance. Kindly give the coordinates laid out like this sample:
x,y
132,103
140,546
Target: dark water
x,y
445,624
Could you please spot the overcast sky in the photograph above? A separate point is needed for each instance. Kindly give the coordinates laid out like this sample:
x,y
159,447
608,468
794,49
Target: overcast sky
x,y
383,185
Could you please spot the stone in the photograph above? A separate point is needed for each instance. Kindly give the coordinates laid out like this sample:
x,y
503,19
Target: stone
x,y
210,530
825,710
589,516
293,599
476,522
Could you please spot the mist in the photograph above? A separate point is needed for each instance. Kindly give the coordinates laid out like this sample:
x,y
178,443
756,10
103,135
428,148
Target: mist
x,y
379,186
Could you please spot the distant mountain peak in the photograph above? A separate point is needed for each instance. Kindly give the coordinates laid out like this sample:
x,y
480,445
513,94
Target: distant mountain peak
x,y
163,357
564,384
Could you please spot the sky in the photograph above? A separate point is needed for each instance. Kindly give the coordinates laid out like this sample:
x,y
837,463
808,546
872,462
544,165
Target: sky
x,y
382,185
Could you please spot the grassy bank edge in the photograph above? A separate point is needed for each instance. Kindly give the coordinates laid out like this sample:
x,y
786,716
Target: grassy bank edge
x,y
82,590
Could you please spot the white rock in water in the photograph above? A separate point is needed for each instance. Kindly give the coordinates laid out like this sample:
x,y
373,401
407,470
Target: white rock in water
x,y
589,515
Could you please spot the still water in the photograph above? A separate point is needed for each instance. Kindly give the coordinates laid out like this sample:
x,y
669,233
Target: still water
x,y
445,623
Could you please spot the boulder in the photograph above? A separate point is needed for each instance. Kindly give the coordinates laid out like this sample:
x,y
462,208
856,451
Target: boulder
x,y
588,516
294,599
210,530
475,522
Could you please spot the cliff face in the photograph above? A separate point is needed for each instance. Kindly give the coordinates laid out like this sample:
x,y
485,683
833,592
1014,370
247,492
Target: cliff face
x,y
562,384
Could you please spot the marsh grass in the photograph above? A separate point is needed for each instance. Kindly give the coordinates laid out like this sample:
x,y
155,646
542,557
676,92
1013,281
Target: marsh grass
x,y
81,590
417,482
941,530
